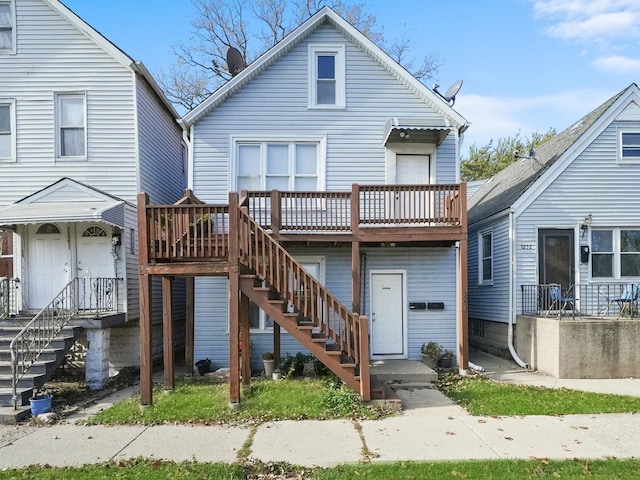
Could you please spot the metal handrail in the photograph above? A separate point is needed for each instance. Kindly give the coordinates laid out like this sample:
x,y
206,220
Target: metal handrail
x,y
80,295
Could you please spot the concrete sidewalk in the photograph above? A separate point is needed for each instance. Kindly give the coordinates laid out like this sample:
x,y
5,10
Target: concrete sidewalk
x,y
431,428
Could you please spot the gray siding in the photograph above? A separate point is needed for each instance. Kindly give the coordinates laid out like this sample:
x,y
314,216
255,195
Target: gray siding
x,y
275,104
160,148
490,302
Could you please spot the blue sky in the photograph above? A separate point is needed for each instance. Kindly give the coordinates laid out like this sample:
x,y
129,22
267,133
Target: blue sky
x,y
527,65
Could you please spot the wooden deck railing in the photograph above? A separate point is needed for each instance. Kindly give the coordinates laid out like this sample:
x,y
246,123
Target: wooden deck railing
x,y
190,232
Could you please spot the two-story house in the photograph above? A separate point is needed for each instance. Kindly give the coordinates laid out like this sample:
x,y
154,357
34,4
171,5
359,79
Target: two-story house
x,y
83,129
331,208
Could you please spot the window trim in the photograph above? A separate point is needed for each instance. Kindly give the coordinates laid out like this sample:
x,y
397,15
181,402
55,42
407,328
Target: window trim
x,y
482,258
12,7
626,160
338,51
617,253
264,140
12,132
58,116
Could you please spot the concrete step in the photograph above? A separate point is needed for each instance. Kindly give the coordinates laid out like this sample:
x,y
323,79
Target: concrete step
x,y
402,371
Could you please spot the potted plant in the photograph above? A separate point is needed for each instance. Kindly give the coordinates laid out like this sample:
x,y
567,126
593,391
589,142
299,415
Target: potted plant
x,y
447,359
268,360
293,365
203,366
40,402
431,353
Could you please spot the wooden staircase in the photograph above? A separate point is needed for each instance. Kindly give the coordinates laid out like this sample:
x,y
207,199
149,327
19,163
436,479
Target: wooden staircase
x,y
302,306
40,372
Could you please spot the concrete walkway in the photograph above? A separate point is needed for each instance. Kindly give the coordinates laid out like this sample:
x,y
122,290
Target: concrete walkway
x,y
431,428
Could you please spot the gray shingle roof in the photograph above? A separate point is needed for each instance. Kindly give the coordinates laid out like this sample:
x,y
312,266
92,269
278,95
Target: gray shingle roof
x,y
504,188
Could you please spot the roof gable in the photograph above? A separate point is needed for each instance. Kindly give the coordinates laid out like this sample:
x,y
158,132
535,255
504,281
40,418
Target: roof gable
x,y
68,190
511,185
325,16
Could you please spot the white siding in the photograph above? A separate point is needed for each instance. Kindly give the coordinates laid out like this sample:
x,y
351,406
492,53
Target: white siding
x,y
53,56
275,104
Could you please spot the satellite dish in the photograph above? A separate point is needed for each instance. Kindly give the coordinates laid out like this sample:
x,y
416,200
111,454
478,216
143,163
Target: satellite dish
x,y
235,62
452,91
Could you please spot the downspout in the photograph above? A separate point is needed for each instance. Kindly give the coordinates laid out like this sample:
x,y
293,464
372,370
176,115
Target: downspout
x,y
187,135
512,297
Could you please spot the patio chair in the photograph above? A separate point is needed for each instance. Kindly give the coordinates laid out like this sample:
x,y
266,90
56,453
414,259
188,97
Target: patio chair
x,y
559,302
626,301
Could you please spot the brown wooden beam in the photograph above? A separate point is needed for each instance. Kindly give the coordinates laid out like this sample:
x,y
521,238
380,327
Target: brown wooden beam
x,y
179,269
276,345
146,343
234,339
167,333
189,340
355,277
363,340
245,335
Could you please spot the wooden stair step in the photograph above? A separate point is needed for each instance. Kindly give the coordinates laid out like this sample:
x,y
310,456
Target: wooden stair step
x,y
318,337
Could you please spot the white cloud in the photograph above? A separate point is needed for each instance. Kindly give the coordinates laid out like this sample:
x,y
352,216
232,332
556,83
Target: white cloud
x,y
618,64
494,118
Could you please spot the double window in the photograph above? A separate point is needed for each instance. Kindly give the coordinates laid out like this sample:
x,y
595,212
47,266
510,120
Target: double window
x,y
293,166
7,128
327,76
71,125
485,258
7,27
629,146
615,253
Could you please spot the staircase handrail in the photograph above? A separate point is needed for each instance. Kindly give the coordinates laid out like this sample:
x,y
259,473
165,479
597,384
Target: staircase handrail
x,y
259,252
36,336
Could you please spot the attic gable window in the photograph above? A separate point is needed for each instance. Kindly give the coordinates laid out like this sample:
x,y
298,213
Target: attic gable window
x,y
629,147
327,76
7,30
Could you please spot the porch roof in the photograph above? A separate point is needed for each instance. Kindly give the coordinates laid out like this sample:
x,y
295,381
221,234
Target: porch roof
x,y
420,130
111,212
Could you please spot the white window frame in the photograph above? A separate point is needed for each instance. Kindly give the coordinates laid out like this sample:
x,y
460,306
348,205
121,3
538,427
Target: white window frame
x,y
482,258
338,52
12,126
617,253
12,27
263,141
630,159
58,126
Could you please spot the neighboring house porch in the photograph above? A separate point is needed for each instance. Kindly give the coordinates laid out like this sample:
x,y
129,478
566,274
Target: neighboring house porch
x,y
248,240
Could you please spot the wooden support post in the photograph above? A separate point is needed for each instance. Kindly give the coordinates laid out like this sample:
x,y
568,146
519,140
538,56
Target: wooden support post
x,y
167,332
146,354
355,209
190,328
276,345
276,215
234,228
363,339
234,338
245,329
355,277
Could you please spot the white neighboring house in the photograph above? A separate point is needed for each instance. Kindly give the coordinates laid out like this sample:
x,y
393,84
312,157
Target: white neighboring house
x,y
83,129
563,220
321,111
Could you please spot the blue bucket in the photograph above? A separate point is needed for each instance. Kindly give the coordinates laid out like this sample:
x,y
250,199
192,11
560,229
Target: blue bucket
x,y
40,405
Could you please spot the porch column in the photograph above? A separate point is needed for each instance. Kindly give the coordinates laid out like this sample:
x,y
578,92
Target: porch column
x,y
355,277
190,328
234,340
276,345
146,352
97,362
245,339
167,332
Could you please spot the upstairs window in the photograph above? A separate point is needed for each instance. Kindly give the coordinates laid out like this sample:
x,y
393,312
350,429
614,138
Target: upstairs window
x,y
7,127
327,76
629,144
485,264
7,30
71,126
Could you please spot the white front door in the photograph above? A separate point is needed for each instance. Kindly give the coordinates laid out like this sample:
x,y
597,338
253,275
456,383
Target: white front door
x,y
387,314
413,169
48,263
95,259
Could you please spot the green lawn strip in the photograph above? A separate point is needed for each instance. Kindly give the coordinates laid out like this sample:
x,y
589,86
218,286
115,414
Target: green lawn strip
x,y
263,400
476,469
483,396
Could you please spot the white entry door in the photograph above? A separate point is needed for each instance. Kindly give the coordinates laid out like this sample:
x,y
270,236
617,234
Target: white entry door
x,y
413,169
48,263
95,259
387,314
